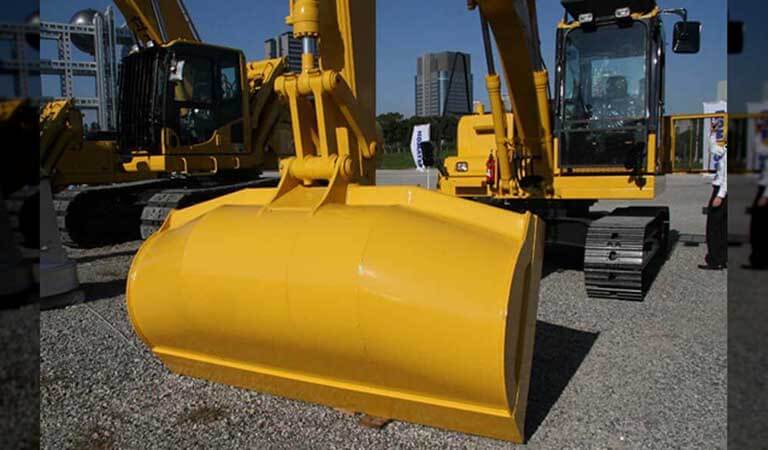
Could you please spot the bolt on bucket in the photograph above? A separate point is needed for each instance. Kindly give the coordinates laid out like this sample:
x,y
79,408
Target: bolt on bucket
x,y
399,303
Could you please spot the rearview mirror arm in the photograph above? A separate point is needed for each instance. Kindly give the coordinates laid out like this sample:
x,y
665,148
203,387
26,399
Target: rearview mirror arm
x,y
681,12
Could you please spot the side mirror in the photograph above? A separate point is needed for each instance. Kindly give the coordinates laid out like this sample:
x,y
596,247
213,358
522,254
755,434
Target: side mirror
x,y
687,37
427,153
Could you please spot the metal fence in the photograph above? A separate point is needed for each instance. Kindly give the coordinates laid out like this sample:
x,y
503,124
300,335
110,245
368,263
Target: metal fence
x,y
689,143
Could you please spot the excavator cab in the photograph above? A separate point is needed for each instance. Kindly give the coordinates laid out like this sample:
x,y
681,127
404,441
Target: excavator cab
x,y
183,98
610,84
598,138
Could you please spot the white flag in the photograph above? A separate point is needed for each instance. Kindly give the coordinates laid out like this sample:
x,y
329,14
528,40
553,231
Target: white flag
x,y
711,108
420,134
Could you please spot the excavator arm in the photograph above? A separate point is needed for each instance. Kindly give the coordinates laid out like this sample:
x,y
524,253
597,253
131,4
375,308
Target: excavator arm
x,y
514,26
271,133
158,21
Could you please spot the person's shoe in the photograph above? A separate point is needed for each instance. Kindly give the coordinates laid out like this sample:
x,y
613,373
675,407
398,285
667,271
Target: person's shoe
x,y
711,267
753,267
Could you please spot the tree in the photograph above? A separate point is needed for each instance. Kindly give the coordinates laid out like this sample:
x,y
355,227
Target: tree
x,y
392,129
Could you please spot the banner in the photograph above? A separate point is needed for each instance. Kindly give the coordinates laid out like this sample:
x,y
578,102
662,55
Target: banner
x,y
420,134
712,108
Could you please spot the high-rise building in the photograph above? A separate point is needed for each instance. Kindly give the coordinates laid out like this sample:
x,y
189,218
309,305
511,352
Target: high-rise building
x,y
444,84
285,45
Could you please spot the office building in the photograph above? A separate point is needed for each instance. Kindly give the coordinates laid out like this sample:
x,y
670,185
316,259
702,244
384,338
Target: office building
x,y
444,84
285,45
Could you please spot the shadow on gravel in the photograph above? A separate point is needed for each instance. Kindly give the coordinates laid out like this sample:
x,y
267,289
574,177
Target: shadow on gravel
x,y
674,238
91,258
103,289
558,353
16,301
689,239
558,258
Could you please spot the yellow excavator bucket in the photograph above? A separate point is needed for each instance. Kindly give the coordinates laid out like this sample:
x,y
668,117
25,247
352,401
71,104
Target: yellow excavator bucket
x,y
397,302
403,303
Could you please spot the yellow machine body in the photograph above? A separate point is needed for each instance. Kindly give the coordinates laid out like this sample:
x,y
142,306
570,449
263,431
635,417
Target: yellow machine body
x,y
100,162
397,302
475,138
94,162
70,159
400,303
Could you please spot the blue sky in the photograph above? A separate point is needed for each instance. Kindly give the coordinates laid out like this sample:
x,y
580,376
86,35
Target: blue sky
x,y
408,28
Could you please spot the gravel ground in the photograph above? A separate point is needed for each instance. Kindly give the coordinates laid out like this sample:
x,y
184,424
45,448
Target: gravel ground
x,y
606,374
19,375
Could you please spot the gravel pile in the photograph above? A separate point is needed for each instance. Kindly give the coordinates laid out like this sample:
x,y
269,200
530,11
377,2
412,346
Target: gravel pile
x,y
606,374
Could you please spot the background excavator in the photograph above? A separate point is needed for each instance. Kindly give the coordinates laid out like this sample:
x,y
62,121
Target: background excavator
x,y
394,301
598,139
33,264
195,121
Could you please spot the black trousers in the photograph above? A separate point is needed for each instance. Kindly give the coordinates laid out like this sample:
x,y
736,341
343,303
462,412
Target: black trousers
x,y
758,232
717,231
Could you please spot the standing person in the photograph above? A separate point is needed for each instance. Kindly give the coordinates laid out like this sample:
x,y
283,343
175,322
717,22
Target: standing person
x,y
758,225
717,212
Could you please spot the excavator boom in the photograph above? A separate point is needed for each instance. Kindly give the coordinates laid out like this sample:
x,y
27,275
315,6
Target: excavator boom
x,y
158,21
514,26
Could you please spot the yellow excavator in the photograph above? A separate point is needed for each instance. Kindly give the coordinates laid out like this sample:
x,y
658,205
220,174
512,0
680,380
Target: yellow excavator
x,y
33,264
195,121
394,301
598,139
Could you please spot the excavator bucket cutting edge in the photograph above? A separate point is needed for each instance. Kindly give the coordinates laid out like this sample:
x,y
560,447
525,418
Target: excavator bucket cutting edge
x,y
398,302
